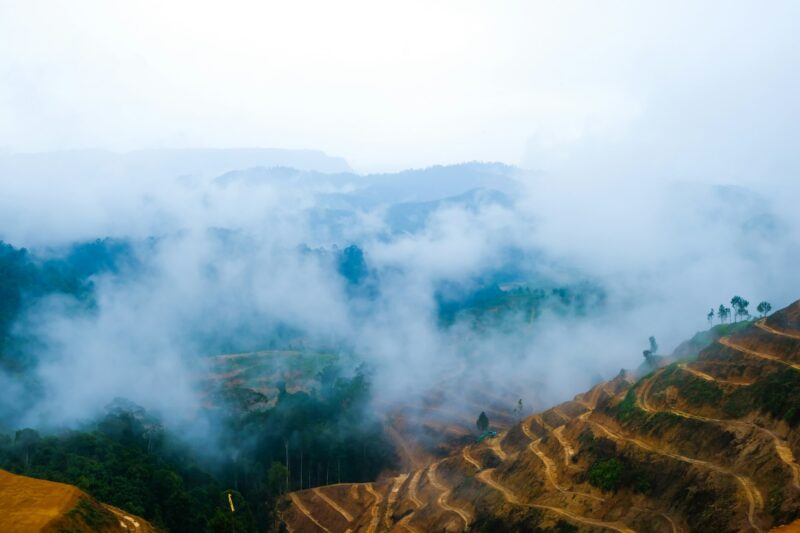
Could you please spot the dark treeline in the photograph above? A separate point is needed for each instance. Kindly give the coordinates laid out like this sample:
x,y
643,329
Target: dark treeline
x,y
493,303
129,460
26,278
740,309
308,439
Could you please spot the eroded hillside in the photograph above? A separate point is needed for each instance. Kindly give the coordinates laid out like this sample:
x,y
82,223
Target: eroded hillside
x,y
28,504
707,443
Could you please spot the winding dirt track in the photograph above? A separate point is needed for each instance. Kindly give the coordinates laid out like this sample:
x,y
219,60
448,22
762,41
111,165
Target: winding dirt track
x,y
412,495
558,433
725,341
549,464
393,494
467,455
762,324
781,446
412,489
595,397
338,508
698,373
486,477
303,509
708,377
445,492
754,499
375,520
495,446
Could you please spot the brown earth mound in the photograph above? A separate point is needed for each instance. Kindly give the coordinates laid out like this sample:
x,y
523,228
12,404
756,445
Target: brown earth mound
x,y
29,504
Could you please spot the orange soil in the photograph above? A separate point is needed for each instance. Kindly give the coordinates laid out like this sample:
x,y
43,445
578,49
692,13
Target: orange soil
x,y
28,504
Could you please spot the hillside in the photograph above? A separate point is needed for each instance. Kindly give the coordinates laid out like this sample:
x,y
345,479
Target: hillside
x,y
706,443
28,504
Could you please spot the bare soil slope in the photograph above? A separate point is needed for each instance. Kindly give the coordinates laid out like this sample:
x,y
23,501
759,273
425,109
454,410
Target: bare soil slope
x,y
710,443
29,504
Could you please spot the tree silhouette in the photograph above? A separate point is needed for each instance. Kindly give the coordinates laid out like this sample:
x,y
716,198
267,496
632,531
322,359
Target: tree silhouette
x,y
736,303
518,409
653,345
649,355
764,308
743,312
482,422
710,317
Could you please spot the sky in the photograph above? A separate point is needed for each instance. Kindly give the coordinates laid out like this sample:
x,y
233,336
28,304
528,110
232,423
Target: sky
x,y
695,90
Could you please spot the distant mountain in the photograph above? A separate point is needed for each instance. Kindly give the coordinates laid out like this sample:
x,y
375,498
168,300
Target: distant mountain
x,y
348,190
167,163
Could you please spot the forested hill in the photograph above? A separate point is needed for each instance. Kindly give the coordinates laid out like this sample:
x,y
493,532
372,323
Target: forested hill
x,y
26,279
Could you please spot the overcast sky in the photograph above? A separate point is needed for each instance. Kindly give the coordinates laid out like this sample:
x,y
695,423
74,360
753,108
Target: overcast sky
x,y
699,90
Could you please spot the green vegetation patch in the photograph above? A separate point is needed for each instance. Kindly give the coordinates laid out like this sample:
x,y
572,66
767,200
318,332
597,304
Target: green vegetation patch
x,y
699,392
606,474
91,515
777,394
522,520
627,409
696,391
610,470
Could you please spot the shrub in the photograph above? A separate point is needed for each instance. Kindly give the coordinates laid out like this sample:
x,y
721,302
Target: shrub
x,y
606,474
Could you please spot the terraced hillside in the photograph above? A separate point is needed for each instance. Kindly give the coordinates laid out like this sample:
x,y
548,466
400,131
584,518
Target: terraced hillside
x,y
28,505
709,443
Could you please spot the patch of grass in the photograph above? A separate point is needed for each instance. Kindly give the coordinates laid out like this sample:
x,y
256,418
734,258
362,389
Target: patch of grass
x,y
777,394
688,350
520,520
90,515
606,474
660,419
696,391
586,438
627,408
612,470
701,392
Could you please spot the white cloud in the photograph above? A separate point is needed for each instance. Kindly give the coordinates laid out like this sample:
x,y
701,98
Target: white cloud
x,y
392,86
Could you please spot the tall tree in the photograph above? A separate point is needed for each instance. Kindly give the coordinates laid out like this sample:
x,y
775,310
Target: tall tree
x,y
743,312
736,303
710,317
482,422
721,313
653,345
764,308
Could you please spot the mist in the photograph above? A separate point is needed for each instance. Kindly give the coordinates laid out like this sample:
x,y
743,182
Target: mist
x,y
458,149
248,259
